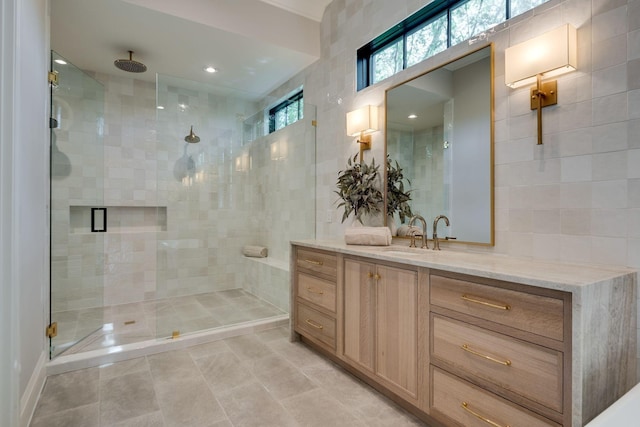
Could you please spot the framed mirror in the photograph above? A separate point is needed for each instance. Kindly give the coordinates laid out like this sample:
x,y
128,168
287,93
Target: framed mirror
x,y
439,134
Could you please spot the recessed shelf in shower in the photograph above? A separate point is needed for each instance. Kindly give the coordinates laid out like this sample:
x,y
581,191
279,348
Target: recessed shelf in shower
x,y
120,219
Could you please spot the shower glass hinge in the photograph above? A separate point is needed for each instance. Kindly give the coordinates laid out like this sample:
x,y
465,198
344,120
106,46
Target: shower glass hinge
x,y
52,330
53,78
314,123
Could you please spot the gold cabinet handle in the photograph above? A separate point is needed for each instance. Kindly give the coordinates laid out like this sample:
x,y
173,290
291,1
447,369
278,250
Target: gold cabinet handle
x,y
485,303
314,324
310,261
314,291
370,275
374,276
465,406
466,348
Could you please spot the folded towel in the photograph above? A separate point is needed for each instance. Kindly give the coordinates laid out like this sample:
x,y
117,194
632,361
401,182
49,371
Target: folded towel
x,y
406,231
373,236
255,251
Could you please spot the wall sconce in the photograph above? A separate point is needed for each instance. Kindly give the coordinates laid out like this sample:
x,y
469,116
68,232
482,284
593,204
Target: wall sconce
x,y
548,55
362,123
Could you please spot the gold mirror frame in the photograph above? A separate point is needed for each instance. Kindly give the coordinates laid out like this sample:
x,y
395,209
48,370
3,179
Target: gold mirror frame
x,y
491,201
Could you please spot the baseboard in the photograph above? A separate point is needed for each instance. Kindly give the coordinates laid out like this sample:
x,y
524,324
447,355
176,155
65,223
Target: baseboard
x,y
29,399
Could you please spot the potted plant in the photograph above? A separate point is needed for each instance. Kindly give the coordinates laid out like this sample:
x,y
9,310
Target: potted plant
x,y
397,198
358,189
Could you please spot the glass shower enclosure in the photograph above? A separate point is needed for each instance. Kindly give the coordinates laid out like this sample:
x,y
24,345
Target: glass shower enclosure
x,y
78,221
156,189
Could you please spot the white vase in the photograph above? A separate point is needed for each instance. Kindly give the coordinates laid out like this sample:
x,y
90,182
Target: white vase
x,y
393,227
353,222
373,220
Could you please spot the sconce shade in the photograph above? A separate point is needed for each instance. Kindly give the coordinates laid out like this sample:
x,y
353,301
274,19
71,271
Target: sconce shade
x,y
363,120
550,54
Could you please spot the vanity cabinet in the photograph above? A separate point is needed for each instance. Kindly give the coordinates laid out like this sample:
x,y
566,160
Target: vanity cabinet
x,y
315,302
464,339
382,325
511,341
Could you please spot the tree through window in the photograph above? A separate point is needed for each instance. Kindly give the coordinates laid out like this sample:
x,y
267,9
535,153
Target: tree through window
x,y
437,26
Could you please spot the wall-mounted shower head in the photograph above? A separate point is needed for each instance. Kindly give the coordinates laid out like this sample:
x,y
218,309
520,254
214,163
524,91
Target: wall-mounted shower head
x,y
192,137
130,65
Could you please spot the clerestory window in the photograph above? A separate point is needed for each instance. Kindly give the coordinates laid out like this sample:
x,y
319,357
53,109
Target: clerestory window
x,y
286,112
434,28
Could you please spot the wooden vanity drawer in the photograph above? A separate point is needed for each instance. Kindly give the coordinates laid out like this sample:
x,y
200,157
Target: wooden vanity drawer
x,y
471,406
318,262
537,314
315,324
531,371
317,291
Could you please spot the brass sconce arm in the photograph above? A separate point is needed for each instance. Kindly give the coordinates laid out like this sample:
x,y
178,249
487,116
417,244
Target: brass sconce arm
x,y
543,94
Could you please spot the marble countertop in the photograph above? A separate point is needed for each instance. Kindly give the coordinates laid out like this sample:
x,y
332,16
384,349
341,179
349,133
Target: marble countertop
x,y
552,275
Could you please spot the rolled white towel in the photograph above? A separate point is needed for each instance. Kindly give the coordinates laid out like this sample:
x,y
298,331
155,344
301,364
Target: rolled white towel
x,y
372,236
404,230
255,251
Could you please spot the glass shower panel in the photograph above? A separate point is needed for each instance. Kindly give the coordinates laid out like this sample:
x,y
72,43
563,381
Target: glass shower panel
x,y
78,216
237,186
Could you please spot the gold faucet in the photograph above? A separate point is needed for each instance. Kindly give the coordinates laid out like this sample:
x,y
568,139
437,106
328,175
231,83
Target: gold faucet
x,y
436,242
424,232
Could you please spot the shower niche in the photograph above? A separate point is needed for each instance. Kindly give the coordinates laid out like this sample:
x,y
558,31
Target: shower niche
x,y
117,219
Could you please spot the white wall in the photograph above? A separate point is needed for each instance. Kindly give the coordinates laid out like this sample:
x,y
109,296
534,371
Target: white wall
x,y
574,199
23,206
9,402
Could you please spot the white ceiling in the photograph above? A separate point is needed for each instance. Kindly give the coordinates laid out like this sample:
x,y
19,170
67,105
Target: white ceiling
x,y
256,44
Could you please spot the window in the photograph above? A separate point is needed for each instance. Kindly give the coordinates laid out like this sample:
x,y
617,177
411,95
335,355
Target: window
x,y
519,7
427,41
386,62
440,24
286,112
475,16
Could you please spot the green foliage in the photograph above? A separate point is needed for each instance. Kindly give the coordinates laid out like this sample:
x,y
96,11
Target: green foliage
x,y
468,19
357,189
397,198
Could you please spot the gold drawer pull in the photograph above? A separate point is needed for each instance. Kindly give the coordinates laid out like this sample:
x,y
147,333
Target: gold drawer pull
x,y
374,276
466,348
314,291
465,406
314,324
310,261
488,304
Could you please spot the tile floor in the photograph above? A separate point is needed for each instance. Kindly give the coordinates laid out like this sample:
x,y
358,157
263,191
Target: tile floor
x,y
136,322
260,379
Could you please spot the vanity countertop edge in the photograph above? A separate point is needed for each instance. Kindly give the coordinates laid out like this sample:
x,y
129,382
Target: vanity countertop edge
x,y
569,277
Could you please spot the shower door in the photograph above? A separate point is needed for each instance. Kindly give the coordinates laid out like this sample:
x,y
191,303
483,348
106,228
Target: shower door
x,y
78,216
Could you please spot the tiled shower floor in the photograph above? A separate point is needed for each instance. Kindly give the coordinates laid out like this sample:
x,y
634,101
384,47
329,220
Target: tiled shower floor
x,y
142,321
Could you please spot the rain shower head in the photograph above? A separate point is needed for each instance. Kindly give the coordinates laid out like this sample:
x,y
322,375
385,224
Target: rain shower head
x,y
192,137
130,65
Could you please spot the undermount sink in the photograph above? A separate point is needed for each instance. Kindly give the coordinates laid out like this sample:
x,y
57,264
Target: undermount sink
x,y
400,252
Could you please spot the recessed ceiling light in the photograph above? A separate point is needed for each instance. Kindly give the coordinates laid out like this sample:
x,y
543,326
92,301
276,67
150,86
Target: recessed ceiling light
x,y
160,107
60,61
412,116
210,69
